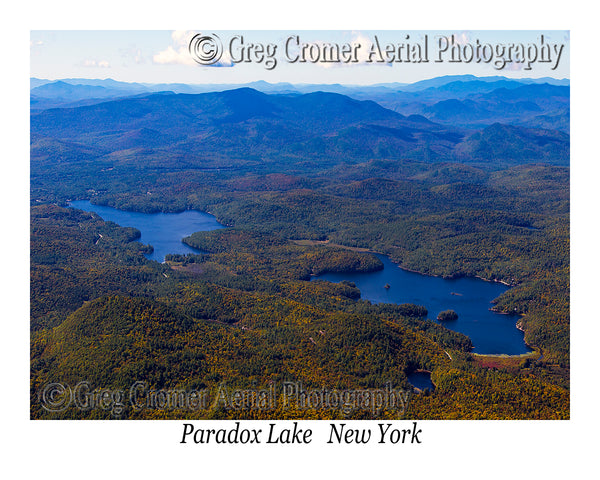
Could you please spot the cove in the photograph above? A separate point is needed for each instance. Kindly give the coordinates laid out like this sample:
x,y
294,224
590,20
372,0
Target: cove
x,y
164,231
470,298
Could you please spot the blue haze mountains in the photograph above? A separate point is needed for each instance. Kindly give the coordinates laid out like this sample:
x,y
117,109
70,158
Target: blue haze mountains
x,y
457,118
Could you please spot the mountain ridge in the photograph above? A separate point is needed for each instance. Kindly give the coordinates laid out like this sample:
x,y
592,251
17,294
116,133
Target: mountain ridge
x,y
544,98
275,127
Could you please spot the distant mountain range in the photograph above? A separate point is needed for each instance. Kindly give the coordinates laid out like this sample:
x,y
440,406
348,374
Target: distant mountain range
x,y
245,124
286,87
459,100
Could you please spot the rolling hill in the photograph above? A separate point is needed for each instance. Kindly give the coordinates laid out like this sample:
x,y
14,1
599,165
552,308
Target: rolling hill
x,y
272,128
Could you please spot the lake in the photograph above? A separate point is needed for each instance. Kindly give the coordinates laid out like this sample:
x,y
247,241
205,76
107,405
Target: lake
x,y
470,298
421,380
164,231
491,333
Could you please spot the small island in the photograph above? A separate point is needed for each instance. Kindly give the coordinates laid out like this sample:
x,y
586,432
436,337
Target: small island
x,y
447,316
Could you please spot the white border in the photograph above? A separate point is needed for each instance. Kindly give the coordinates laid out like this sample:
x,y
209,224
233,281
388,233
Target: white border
x,y
151,449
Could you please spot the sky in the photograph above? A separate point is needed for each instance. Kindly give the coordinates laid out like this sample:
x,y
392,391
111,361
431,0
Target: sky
x,y
163,56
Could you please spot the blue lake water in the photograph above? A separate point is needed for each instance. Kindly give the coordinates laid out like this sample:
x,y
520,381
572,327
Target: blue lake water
x,y
164,231
470,298
421,380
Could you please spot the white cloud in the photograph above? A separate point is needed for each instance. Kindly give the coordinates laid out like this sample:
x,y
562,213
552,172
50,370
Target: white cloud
x,y
182,37
462,38
515,66
95,63
139,58
132,54
365,46
362,54
178,52
170,56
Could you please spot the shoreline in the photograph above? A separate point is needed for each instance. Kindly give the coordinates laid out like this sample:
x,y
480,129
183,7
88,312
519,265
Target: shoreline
x,y
421,370
534,350
491,309
388,256
505,355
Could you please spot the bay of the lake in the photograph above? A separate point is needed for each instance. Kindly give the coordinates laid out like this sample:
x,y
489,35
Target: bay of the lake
x,y
164,231
470,298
